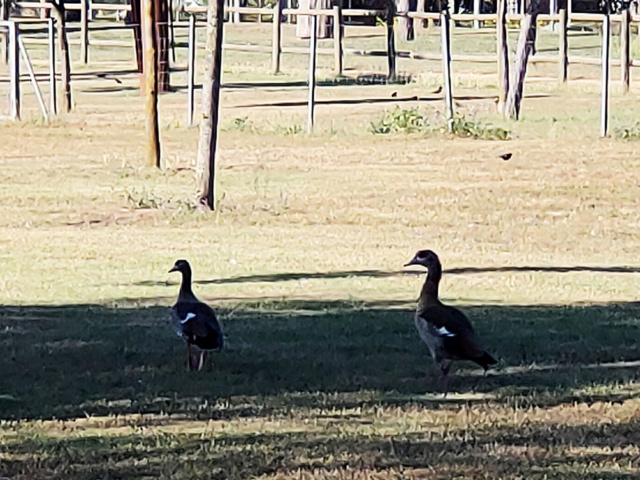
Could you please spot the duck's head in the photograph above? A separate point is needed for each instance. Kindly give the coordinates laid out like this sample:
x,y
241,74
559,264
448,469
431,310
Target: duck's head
x,y
426,258
181,266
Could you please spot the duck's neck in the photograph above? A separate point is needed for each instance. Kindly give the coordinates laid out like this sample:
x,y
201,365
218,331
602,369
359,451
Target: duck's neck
x,y
185,288
429,293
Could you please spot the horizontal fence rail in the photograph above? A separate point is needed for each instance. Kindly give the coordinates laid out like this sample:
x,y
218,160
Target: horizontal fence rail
x,y
562,19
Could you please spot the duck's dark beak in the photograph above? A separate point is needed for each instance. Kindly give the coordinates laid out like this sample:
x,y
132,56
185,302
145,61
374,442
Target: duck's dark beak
x,y
173,269
412,262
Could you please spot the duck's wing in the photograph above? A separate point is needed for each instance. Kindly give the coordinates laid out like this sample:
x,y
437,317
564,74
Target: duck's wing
x,y
454,329
197,323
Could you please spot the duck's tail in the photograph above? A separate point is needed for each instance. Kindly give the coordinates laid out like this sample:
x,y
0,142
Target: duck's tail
x,y
485,360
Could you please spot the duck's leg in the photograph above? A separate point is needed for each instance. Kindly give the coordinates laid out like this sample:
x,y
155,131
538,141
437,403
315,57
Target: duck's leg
x,y
189,363
445,368
201,361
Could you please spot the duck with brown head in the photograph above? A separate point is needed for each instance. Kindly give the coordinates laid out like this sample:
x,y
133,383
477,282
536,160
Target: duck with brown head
x,y
445,329
194,320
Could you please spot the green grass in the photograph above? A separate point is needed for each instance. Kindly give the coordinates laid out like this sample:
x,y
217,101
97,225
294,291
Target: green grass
x,y
324,375
314,387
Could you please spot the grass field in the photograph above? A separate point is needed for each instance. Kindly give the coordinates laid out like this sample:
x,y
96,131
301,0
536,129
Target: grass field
x,y
324,375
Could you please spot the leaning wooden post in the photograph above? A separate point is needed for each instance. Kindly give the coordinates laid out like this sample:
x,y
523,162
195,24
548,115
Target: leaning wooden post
x,y
503,54
14,71
525,48
446,65
191,69
391,42
337,39
604,105
84,32
53,91
206,162
150,85
563,47
32,77
276,43
625,54
313,44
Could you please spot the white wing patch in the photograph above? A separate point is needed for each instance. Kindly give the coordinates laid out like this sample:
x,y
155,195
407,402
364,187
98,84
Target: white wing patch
x,y
445,333
187,318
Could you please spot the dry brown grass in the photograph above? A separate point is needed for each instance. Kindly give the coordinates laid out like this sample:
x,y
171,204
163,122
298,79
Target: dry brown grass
x,y
324,377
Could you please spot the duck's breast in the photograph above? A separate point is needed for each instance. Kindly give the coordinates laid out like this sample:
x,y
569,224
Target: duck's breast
x,y
425,330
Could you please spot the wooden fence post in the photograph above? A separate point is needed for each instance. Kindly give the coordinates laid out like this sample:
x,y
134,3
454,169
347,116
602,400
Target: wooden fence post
x,y
4,38
313,43
337,39
53,91
236,15
84,32
14,71
476,11
563,47
503,54
58,12
525,48
191,70
276,43
625,53
391,43
604,106
446,65
150,85
206,165
421,8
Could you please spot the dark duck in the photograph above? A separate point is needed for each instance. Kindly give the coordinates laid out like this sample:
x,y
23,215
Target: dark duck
x,y
194,321
446,330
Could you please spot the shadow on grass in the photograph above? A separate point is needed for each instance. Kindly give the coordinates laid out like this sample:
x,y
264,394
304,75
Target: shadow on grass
x,y
360,80
527,451
375,273
70,360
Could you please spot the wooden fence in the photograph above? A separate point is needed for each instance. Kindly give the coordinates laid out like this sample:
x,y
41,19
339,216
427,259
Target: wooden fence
x,y
337,13
563,20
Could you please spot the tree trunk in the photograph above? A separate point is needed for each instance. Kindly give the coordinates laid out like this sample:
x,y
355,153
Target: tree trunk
x,y
206,162
526,47
150,84
58,11
405,23
503,55
303,22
